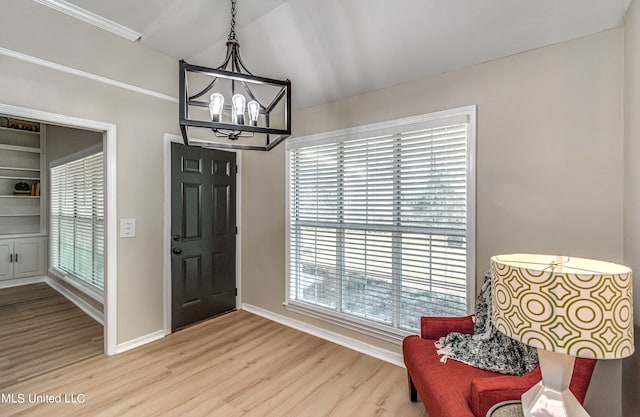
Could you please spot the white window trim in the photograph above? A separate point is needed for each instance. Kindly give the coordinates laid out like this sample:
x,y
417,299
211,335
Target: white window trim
x,y
369,328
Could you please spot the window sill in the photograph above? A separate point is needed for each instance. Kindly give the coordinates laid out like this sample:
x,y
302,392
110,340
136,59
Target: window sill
x,y
75,283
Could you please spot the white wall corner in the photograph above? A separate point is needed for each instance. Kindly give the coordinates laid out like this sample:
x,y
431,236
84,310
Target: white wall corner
x,y
339,339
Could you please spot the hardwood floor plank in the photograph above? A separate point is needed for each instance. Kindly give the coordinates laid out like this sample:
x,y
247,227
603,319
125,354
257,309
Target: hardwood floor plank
x,y
236,365
40,331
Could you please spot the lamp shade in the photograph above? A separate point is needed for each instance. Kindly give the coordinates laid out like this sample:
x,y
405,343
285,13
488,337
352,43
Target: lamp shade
x,y
573,306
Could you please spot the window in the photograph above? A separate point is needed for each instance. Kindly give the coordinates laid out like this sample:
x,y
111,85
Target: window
x,y
77,217
380,222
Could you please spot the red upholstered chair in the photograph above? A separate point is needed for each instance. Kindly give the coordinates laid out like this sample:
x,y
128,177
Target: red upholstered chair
x,y
454,389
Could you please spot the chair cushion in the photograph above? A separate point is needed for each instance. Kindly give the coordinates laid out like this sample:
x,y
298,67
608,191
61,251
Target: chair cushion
x,y
444,388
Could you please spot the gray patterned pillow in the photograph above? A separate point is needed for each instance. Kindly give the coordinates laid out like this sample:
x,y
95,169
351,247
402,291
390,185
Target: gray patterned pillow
x,y
487,348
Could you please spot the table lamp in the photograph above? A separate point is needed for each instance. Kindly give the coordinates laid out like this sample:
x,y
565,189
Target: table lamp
x,y
565,307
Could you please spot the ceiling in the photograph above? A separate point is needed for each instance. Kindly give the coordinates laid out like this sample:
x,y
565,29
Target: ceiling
x,y
331,49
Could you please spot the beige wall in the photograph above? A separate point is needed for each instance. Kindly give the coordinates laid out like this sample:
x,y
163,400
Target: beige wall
x,y
141,121
63,141
549,166
631,367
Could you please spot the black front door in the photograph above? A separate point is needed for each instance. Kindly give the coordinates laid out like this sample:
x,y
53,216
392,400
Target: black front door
x,y
203,229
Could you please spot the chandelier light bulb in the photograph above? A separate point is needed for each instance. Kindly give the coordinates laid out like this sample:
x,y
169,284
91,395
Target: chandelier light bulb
x,y
254,112
216,106
237,114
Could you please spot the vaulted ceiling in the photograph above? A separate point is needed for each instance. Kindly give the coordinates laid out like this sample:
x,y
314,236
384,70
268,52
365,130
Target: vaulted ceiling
x,y
331,49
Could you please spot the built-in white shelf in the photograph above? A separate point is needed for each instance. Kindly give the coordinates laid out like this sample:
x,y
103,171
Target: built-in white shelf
x,y
22,235
4,177
19,196
19,215
19,148
21,169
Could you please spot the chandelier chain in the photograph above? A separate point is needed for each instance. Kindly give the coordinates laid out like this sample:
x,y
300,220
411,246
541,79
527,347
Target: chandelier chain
x,y
232,33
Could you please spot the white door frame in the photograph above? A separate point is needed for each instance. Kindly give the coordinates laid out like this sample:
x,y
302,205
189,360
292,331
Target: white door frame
x,y
166,243
110,256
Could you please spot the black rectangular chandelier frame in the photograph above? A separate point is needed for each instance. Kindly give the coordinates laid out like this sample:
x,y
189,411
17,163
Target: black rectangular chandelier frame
x,y
186,100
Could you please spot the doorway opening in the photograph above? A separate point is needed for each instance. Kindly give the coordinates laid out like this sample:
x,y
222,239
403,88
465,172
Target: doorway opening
x,y
107,131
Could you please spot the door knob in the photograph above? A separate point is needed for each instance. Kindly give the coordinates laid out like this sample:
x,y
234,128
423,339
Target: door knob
x,y
177,251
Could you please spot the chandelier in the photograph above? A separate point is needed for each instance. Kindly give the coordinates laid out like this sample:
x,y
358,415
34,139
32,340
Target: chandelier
x,y
244,111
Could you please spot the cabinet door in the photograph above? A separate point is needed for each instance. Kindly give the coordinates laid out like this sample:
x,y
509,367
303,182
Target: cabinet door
x,y
6,267
30,253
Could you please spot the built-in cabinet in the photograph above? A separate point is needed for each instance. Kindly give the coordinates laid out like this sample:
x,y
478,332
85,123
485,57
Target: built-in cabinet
x,y
22,258
22,214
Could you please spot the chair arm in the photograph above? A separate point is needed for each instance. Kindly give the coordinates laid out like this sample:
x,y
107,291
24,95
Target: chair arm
x,y
485,392
436,327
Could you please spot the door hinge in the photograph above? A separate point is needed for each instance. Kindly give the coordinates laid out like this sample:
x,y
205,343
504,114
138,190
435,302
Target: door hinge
x,y
236,292
236,230
236,169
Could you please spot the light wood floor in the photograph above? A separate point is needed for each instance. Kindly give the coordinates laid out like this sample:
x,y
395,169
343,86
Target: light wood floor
x,y
40,331
235,365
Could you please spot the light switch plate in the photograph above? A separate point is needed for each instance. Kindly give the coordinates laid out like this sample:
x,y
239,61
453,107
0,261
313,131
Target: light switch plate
x,y
127,227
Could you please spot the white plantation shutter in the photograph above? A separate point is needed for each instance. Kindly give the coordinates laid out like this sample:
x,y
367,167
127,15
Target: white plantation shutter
x,y
77,219
378,222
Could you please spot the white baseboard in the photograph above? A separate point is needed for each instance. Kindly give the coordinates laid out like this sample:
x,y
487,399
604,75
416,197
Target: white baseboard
x,y
21,281
339,339
90,310
139,341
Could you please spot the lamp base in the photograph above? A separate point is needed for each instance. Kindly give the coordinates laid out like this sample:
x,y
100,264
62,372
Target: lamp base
x,y
551,397
541,401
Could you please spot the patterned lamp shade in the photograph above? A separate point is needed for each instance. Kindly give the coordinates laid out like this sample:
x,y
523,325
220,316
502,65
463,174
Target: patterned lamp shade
x,y
572,306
